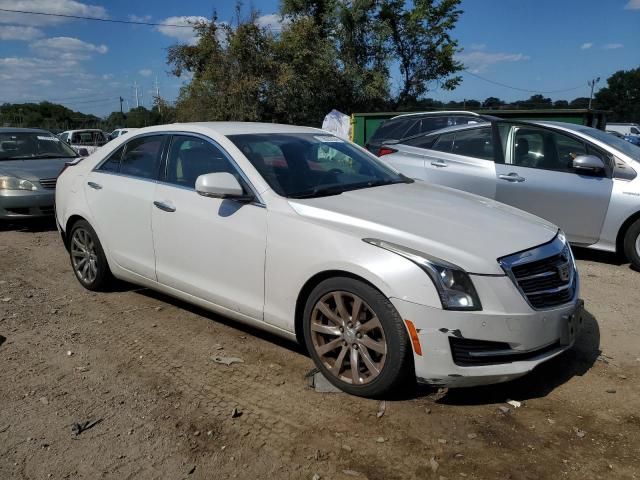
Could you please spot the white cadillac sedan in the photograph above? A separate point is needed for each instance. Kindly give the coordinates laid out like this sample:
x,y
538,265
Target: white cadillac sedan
x,y
298,232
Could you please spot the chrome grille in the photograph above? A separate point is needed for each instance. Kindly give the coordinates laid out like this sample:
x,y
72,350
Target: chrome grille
x,y
48,183
545,275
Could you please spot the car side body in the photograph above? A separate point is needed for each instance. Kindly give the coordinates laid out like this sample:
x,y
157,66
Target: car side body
x,y
531,166
258,258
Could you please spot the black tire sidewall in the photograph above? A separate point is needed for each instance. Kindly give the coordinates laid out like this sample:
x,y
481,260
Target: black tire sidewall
x,y
103,275
399,362
630,244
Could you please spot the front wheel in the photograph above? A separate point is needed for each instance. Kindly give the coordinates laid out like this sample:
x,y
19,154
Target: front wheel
x,y
632,244
88,260
356,338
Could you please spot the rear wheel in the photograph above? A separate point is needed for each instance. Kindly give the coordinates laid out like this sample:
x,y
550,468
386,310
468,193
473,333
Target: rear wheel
x,y
632,244
356,338
87,257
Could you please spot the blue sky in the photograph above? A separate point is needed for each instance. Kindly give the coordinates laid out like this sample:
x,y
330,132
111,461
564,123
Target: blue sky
x,y
541,45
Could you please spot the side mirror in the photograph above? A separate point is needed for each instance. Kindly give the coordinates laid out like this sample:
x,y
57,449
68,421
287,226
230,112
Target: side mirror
x,y
83,152
588,164
221,185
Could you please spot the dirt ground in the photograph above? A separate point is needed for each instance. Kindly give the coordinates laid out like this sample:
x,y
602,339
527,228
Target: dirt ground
x,y
139,364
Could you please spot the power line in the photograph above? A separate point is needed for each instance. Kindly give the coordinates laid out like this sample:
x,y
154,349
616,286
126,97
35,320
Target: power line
x,y
520,89
95,19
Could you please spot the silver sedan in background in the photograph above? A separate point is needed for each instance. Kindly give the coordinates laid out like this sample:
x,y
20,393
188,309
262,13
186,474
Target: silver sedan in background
x,y
580,178
30,162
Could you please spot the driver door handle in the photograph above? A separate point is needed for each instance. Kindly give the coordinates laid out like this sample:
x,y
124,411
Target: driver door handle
x,y
512,177
94,185
439,163
165,207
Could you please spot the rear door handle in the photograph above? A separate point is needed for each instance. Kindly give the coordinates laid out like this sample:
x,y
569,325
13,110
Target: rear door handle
x,y
439,163
512,177
94,185
165,207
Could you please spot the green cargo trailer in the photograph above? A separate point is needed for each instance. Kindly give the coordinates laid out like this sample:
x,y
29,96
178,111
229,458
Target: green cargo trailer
x,y
364,124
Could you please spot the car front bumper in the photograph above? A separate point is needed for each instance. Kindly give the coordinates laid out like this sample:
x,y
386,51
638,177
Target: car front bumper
x,y
15,204
465,349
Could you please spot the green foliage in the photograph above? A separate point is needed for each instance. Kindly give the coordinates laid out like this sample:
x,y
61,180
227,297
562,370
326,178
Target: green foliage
x,y
45,115
330,54
621,96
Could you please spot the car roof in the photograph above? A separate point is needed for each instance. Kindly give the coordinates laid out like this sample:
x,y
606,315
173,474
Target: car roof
x,y
436,114
22,130
233,128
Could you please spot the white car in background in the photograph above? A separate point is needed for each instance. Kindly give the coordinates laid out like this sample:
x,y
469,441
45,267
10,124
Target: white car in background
x,y
85,141
298,232
119,132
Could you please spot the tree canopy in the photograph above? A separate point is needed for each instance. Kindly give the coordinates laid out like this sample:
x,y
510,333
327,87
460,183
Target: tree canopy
x,y
621,95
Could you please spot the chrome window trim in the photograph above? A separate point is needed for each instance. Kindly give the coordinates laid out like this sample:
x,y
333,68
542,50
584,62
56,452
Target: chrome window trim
x,y
549,249
164,161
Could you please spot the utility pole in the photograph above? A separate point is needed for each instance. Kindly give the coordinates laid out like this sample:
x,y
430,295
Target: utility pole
x,y
135,87
121,100
592,84
158,97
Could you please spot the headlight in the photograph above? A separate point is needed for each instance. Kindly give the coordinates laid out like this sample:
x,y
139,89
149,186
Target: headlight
x,y
13,183
454,286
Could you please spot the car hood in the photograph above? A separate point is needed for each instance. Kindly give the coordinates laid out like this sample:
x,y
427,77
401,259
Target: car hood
x,y
465,229
33,169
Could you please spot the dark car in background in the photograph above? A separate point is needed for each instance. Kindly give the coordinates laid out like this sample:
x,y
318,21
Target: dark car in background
x,y
30,162
411,124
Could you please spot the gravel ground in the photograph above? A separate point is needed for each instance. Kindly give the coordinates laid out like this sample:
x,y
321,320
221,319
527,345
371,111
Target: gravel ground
x,y
137,366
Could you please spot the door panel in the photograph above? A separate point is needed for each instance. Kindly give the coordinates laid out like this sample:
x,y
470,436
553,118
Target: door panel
x,y
120,194
211,248
121,211
538,177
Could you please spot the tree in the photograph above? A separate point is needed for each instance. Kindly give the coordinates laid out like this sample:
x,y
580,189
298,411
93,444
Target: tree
x,y
621,96
560,104
580,102
420,41
492,102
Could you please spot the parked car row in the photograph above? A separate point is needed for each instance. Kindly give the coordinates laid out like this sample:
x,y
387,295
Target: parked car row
x,y
298,232
580,178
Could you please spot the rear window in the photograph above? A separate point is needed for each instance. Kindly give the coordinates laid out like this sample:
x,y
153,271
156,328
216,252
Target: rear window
x,y
392,129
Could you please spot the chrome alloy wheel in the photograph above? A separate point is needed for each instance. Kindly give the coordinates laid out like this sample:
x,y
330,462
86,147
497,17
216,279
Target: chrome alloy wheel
x,y
348,337
638,245
83,255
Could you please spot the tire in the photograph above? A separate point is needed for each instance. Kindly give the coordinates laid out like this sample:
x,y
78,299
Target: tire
x,y
332,339
88,260
632,244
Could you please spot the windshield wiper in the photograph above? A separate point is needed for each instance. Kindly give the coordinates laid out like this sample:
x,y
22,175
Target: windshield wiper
x,y
51,155
338,189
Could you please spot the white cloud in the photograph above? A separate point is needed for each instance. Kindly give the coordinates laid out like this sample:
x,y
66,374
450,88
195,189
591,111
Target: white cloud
x,y
182,34
61,7
478,61
13,32
67,47
633,5
272,21
586,46
612,46
107,76
145,72
478,46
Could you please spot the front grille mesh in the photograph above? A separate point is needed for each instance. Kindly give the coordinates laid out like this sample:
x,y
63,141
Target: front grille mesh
x,y
547,282
48,183
473,353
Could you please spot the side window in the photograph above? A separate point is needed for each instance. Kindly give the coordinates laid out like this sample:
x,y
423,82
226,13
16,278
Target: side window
x,y
476,143
423,141
429,124
543,149
414,130
112,164
190,157
634,130
142,156
444,143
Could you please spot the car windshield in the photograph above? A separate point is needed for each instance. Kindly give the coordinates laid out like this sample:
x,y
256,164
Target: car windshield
x,y
618,143
305,165
32,146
